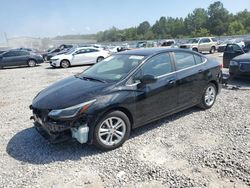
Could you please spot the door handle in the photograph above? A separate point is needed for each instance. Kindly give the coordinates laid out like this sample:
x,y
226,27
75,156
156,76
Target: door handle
x,y
171,82
201,70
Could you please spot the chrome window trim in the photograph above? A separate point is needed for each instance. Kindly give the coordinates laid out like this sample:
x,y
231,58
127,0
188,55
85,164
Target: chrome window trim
x,y
175,71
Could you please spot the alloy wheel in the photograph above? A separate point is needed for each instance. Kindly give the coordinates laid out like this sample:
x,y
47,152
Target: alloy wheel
x,y
32,63
112,131
210,96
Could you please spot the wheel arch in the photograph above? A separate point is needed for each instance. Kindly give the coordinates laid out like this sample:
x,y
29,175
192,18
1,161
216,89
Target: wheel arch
x,y
216,85
65,60
99,57
31,59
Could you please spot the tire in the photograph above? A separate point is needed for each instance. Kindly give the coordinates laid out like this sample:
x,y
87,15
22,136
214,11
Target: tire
x,y
212,50
108,138
31,63
65,63
208,97
99,59
195,49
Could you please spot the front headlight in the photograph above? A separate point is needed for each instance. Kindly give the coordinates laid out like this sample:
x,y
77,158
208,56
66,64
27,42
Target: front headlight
x,y
71,111
54,59
234,63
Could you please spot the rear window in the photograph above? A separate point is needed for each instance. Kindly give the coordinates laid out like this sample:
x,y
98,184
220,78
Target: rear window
x,y
184,60
214,39
198,59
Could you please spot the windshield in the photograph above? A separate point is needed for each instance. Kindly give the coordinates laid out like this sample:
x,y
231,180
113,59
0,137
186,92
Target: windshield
x,y
192,41
113,68
71,50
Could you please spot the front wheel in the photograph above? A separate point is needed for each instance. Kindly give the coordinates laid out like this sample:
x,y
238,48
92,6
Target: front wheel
x,y
112,131
65,64
209,96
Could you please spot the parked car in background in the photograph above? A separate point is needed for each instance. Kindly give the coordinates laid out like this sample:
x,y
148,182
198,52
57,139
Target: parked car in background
x,y
57,51
240,66
203,44
79,56
168,43
232,51
126,90
222,46
146,44
19,58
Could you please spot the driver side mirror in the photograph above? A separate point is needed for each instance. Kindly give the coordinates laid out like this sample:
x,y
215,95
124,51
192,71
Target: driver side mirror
x,y
148,79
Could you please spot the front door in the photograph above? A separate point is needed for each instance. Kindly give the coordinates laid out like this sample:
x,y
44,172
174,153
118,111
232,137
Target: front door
x,y
79,57
10,59
158,98
231,51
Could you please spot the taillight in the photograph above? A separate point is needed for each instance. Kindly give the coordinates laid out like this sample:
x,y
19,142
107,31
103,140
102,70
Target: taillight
x,y
221,66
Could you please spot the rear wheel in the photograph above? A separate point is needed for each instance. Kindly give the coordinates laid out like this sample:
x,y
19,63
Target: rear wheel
x,y
195,49
31,63
99,59
209,96
65,64
112,131
212,50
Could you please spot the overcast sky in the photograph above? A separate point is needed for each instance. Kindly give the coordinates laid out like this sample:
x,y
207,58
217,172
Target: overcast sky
x,y
48,18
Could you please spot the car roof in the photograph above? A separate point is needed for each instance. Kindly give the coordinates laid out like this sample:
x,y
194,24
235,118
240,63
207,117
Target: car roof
x,y
91,47
153,51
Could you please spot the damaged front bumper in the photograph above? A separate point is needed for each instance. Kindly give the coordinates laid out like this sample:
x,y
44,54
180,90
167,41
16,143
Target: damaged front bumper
x,y
56,131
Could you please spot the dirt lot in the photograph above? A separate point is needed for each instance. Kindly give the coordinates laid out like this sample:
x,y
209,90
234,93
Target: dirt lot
x,y
193,148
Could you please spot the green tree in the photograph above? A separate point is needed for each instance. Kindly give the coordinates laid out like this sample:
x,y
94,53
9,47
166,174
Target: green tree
x,y
201,32
196,20
236,28
143,28
218,19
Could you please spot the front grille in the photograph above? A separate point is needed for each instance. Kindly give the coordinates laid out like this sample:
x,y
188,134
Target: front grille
x,y
245,67
42,114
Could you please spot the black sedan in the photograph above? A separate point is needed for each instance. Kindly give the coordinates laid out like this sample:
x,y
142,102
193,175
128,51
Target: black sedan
x,y
19,58
240,66
129,89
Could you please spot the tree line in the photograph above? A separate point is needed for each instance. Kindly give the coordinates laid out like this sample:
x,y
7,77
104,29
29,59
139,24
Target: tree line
x,y
216,20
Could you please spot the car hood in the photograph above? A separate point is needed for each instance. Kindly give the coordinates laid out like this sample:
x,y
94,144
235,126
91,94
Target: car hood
x,y
68,92
61,56
243,57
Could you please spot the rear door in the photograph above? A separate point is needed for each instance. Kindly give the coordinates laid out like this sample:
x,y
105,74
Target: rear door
x,y
204,44
190,78
231,51
92,55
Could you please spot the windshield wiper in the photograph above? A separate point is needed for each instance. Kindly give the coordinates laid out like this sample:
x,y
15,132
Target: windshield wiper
x,y
91,78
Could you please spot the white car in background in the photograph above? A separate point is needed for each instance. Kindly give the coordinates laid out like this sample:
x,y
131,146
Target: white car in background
x,y
79,56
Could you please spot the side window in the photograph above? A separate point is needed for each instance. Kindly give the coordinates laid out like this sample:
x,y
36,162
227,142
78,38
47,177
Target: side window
x,y
93,50
205,40
233,48
198,59
214,39
22,53
10,54
184,60
81,51
157,65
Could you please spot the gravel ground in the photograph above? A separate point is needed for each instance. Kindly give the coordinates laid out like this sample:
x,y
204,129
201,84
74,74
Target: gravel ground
x,y
193,148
